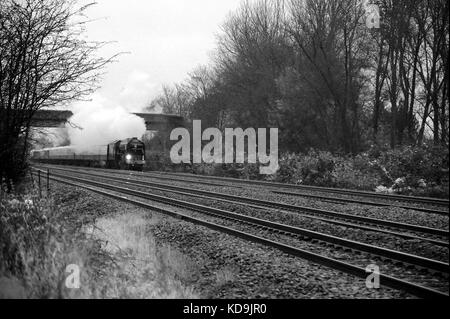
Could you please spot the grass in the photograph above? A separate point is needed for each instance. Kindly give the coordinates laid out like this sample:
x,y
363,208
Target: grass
x,y
146,269
36,245
224,276
116,255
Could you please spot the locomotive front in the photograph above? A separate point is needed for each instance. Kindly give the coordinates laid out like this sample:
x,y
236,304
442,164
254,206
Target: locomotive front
x,y
133,152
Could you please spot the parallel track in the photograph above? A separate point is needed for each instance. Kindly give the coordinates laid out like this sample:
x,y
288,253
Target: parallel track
x,y
293,190
389,197
362,202
386,280
362,222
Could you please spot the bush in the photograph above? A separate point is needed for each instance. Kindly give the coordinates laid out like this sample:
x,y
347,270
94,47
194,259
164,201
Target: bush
x,y
206,169
158,162
349,174
37,243
423,170
313,168
428,163
250,171
289,171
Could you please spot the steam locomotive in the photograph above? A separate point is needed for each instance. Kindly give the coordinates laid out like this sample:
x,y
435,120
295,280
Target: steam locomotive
x,y
123,154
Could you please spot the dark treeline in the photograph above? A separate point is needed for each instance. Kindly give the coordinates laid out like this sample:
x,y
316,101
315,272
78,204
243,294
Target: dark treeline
x,y
326,74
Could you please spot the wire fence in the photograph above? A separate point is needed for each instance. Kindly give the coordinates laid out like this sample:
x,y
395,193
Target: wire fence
x,y
39,183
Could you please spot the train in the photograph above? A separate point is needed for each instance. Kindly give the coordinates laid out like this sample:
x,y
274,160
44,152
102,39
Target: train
x,y
128,154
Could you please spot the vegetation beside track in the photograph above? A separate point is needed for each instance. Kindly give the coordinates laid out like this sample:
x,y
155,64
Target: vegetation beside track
x,y
40,235
149,196
408,170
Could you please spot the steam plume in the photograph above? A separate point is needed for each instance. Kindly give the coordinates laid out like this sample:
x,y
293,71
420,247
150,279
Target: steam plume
x,y
96,123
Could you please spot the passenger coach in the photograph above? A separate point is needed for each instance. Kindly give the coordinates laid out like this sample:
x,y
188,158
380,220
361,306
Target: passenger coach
x,y
123,154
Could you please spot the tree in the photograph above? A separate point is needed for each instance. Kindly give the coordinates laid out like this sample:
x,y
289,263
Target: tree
x,y
315,70
172,100
330,39
252,53
432,21
412,70
44,62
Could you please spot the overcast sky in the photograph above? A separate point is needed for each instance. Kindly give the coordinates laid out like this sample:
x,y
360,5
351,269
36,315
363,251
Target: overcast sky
x,y
166,40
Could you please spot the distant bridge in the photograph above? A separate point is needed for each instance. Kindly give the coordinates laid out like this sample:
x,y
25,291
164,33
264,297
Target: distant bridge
x,y
161,122
153,122
50,118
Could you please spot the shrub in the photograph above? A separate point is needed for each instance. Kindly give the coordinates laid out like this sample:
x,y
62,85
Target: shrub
x,y
206,169
424,170
429,163
289,171
250,171
158,162
313,168
37,243
348,174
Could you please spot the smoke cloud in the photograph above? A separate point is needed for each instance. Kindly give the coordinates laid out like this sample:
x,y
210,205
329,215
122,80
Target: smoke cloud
x,y
104,120
50,137
99,122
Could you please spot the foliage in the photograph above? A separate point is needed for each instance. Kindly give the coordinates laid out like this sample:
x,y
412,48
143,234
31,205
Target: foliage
x,y
117,256
406,170
425,169
37,242
44,61
158,162
319,73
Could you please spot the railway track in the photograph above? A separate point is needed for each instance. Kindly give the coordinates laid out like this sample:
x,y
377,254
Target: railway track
x,y
385,197
327,198
362,202
343,219
436,270
299,191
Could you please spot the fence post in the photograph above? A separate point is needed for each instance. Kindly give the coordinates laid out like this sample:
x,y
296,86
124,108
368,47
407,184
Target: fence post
x,y
48,181
32,178
39,183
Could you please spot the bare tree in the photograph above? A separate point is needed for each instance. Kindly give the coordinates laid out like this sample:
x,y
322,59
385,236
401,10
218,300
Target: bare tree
x,y
252,53
314,69
331,40
44,62
172,100
432,23
413,42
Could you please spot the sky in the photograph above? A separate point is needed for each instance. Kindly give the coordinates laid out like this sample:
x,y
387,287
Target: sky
x,y
164,41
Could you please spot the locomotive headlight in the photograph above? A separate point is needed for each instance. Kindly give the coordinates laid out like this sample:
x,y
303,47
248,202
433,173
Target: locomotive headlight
x,y
128,157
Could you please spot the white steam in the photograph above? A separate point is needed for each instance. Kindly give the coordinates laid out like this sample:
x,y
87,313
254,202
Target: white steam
x,y
106,119
50,137
98,122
